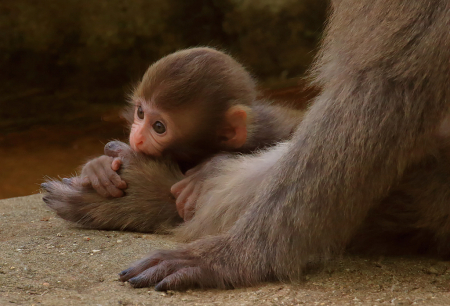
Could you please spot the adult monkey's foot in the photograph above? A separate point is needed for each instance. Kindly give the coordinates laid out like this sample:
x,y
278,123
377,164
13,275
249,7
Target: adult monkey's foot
x,y
202,264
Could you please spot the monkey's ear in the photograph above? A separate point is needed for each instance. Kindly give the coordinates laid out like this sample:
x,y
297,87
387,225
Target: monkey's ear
x,y
233,134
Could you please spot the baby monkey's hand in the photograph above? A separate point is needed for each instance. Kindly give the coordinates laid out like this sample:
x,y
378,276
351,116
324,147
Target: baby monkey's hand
x,y
101,172
188,190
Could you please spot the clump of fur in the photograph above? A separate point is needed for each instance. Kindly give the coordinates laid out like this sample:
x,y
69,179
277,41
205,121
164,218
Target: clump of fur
x,y
147,207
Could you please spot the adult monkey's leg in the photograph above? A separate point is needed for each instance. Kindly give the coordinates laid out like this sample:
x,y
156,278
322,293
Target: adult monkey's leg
x,y
385,74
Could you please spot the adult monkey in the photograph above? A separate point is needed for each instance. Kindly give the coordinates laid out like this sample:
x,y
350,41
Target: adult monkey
x,y
384,69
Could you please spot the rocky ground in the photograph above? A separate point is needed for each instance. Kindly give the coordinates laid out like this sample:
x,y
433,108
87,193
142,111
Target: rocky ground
x,y
47,261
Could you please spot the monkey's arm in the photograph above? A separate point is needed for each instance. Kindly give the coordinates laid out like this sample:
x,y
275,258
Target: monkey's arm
x,y
384,93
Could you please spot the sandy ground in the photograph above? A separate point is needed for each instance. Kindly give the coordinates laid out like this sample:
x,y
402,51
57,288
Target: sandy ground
x,y
47,261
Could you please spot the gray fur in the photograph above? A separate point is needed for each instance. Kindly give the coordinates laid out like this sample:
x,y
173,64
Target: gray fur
x,y
365,160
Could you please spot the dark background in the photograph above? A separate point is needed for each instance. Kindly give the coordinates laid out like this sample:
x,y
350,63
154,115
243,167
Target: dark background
x,y
66,67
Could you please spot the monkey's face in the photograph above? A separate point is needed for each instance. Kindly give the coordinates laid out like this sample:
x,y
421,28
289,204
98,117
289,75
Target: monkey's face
x,y
154,130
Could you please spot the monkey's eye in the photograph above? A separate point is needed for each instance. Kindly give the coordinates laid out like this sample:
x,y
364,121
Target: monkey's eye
x,y
159,127
140,112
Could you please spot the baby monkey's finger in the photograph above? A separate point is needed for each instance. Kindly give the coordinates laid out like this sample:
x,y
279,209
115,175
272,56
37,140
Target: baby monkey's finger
x,y
191,202
116,180
193,170
104,176
97,185
86,177
177,188
116,163
182,199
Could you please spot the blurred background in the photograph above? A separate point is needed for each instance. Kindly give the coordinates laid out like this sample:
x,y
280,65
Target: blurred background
x,y
66,67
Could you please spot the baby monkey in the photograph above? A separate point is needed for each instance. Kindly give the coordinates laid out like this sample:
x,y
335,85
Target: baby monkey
x,y
188,107
191,105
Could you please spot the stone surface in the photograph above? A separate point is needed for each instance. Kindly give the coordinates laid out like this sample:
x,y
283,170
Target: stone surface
x,y
47,261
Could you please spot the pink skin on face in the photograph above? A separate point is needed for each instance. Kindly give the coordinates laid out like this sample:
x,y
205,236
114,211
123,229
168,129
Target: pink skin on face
x,y
143,136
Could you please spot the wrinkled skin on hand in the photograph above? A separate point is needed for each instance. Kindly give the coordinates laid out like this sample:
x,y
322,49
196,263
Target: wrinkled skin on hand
x,y
186,193
188,190
166,270
193,266
101,172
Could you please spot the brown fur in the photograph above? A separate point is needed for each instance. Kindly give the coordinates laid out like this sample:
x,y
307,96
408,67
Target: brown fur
x,y
224,83
415,217
365,160
148,206
197,78
212,82
366,141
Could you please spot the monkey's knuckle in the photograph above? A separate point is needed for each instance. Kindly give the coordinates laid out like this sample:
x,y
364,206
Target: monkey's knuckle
x,y
85,181
107,184
105,159
87,168
113,193
96,184
113,177
180,204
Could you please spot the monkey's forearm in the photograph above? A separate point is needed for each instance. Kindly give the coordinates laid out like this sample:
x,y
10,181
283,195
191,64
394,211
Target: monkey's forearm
x,y
368,125
385,91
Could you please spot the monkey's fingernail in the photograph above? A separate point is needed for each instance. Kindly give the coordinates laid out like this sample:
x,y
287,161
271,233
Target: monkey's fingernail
x,y
67,181
136,282
161,286
45,186
123,272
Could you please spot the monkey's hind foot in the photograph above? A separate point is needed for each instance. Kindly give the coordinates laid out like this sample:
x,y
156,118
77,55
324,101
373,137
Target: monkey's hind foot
x,y
68,199
147,206
171,270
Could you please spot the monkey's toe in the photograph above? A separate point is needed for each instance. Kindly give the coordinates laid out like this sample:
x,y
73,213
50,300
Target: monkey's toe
x,y
67,181
184,279
122,273
167,275
171,270
45,186
113,148
127,274
141,282
132,272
